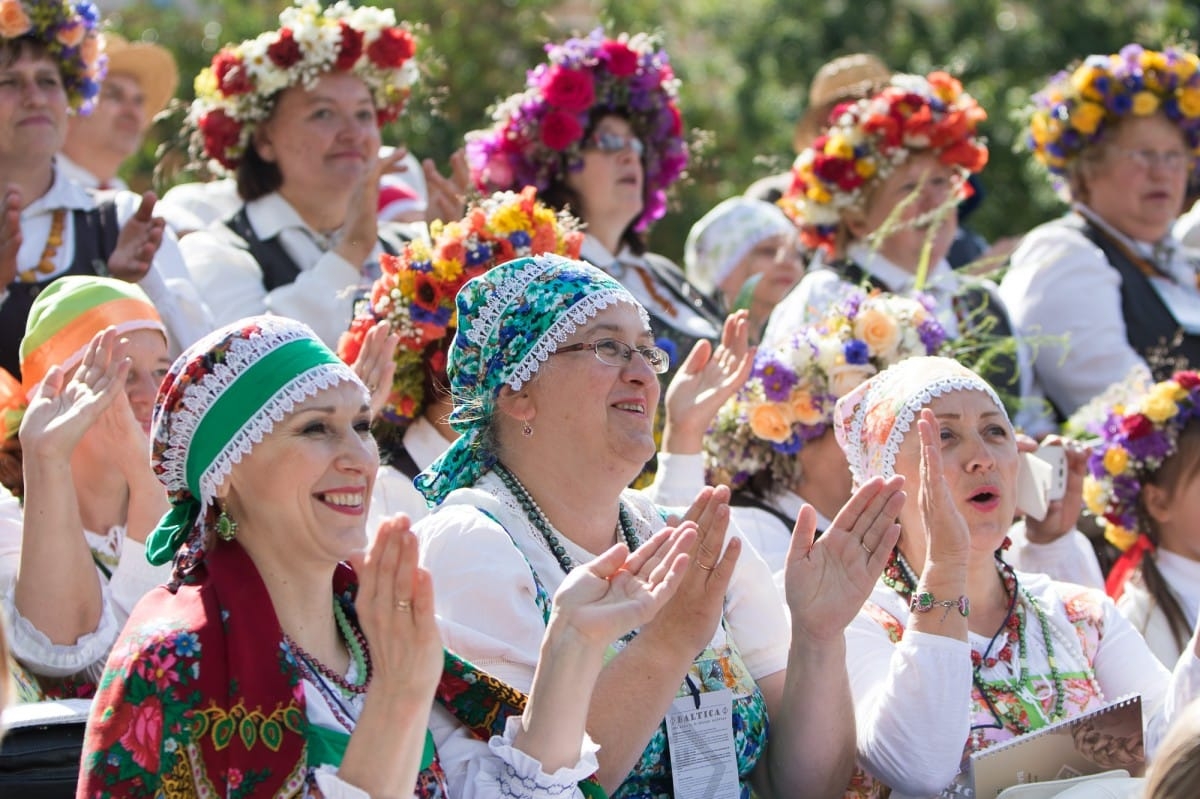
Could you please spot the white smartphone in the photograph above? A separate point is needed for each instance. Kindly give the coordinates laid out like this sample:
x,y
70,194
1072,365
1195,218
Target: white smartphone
x,y
1056,456
1033,486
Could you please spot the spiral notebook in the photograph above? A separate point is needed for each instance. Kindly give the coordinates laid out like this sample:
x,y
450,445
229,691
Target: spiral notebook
x,y
1107,738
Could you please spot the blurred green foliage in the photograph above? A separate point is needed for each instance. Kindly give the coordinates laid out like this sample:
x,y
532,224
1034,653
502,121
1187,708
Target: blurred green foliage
x,y
745,68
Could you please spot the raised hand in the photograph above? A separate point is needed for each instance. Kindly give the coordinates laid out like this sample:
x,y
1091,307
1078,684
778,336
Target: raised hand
x,y
447,196
10,234
827,580
617,592
706,379
138,242
61,410
946,534
395,608
690,617
376,365
360,229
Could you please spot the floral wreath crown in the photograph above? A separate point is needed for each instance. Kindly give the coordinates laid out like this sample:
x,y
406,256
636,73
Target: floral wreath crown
x,y
538,134
789,397
869,138
416,291
236,91
1134,442
1077,107
68,32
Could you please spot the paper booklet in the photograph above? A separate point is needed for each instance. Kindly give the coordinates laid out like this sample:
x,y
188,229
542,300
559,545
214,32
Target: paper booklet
x,y
1104,739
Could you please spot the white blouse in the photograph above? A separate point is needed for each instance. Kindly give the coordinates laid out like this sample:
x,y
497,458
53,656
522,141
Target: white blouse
x,y
1182,576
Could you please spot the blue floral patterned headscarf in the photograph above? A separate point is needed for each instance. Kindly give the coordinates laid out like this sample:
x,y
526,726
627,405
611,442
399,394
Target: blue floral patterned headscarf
x,y
510,320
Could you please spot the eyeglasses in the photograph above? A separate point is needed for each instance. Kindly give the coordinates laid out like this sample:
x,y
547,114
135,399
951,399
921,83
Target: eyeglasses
x,y
617,353
608,142
1144,159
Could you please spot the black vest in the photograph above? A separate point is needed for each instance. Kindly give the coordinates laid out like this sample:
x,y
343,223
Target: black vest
x,y
278,268
977,308
95,231
1149,326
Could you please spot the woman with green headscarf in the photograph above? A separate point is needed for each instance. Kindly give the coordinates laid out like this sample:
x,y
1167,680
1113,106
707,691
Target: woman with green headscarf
x,y
269,666
554,370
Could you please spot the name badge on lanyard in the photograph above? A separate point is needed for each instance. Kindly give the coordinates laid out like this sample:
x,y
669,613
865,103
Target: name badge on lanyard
x,y
703,758
1181,301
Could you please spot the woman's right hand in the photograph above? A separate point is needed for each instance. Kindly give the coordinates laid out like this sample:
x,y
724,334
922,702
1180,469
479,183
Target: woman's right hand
x,y
61,411
395,609
10,235
691,616
376,364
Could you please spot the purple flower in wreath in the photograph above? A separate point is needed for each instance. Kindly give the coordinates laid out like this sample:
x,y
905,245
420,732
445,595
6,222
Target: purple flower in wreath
x,y
776,377
856,352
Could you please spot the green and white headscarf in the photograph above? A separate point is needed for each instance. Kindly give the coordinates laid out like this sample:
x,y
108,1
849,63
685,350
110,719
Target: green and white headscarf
x,y
222,396
510,320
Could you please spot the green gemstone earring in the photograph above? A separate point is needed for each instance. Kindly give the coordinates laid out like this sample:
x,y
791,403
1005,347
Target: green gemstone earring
x,y
226,526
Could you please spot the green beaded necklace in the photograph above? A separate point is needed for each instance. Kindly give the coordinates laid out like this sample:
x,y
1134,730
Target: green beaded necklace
x,y
899,576
542,524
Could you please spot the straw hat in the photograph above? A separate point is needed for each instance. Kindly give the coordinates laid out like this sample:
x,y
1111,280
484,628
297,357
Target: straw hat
x,y
848,77
153,67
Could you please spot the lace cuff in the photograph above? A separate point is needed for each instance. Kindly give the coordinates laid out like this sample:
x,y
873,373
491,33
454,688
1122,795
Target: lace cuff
x,y
334,787
35,651
511,772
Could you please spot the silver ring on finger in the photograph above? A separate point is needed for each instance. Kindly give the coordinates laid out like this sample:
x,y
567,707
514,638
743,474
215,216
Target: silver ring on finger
x,y
404,605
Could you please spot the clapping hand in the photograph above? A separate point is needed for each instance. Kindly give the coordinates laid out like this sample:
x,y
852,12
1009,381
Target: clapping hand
x,y
705,380
827,580
138,242
690,617
395,608
447,196
376,365
360,229
946,534
10,235
619,591
62,410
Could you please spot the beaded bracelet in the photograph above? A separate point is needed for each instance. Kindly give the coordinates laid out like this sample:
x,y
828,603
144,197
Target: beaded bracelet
x,y
925,602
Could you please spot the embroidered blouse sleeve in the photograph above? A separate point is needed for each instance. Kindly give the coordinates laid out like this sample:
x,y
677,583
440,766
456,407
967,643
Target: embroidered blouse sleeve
x,y
484,593
1051,269
42,657
911,703
492,769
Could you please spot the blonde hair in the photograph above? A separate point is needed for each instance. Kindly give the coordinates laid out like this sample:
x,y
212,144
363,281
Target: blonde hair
x,y
1175,771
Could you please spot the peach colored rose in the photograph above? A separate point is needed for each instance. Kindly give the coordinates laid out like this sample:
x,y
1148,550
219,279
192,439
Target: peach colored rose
x,y
768,422
13,20
844,379
71,35
878,330
805,410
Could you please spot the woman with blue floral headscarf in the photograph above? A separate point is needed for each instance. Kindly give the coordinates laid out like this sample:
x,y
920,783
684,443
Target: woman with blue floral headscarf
x,y
553,370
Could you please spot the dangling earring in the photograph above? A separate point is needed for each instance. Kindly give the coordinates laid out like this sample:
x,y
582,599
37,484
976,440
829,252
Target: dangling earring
x,y
226,526
527,430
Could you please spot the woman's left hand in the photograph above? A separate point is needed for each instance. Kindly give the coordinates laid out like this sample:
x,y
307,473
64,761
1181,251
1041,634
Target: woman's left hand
x,y
447,195
827,580
704,382
376,365
620,591
395,608
138,242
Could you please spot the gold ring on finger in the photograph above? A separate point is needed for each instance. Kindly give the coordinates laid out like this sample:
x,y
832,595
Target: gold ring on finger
x,y
863,544
404,605
706,568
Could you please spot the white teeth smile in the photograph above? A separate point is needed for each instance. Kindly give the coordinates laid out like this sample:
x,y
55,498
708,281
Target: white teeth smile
x,y
630,406
351,500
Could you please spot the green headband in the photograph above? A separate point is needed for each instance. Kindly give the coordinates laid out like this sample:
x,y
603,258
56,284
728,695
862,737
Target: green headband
x,y
221,397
